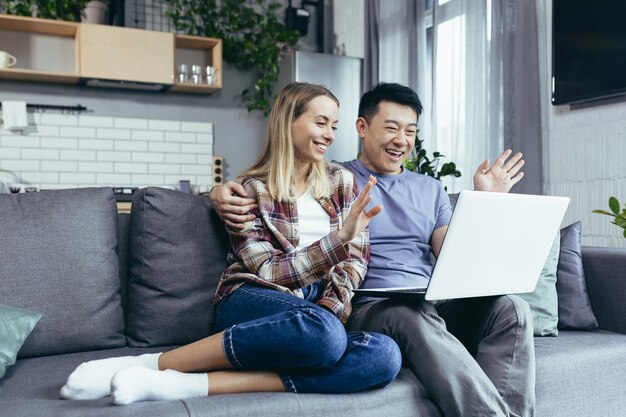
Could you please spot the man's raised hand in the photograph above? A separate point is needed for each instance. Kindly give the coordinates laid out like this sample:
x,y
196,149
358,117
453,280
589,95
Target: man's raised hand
x,y
502,176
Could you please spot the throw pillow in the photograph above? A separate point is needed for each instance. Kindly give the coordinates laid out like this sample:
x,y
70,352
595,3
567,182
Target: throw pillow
x,y
574,306
57,252
543,301
178,250
15,326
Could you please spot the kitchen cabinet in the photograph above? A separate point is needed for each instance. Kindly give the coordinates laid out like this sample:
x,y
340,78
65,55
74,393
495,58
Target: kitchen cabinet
x,y
72,53
46,50
113,53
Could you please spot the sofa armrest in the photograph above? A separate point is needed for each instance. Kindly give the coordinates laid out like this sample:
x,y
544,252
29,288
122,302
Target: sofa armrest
x,y
605,272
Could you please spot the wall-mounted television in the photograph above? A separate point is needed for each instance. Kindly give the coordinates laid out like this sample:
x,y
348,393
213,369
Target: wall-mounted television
x,y
588,50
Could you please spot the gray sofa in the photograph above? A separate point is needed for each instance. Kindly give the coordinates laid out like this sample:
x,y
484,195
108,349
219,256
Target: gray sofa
x,y
110,284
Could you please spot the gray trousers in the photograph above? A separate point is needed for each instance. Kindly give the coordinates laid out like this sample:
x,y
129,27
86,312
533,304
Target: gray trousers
x,y
475,357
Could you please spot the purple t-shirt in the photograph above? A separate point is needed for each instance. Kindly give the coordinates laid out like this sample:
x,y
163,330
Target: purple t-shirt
x,y
414,206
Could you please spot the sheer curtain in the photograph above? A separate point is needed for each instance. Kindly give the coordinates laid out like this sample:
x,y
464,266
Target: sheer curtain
x,y
467,99
478,78
395,47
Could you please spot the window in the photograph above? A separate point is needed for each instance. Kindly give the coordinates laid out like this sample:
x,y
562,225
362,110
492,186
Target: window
x,y
456,96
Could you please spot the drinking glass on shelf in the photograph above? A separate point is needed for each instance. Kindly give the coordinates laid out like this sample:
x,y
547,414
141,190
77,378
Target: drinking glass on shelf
x,y
210,74
196,74
183,73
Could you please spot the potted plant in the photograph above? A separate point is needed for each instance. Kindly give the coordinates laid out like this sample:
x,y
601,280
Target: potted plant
x,y
421,163
95,11
620,217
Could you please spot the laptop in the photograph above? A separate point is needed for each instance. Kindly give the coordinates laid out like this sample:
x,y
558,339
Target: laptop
x,y
496,244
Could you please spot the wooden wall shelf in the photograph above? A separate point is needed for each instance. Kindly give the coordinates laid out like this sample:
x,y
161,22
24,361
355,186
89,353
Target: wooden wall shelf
x,y
192,50
35,75
71,53
33,25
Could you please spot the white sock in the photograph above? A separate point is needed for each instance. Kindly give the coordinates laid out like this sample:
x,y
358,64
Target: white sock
x,y
92,380
140,384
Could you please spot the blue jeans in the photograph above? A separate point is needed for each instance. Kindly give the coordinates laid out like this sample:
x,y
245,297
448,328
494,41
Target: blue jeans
x,y
304,343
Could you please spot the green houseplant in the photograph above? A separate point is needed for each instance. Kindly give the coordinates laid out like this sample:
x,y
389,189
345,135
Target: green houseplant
x,y
69,10
253,38
421,163
620,217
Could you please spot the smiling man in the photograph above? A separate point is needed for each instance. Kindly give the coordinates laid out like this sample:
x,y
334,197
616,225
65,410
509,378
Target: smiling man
x,y
475,357
416,207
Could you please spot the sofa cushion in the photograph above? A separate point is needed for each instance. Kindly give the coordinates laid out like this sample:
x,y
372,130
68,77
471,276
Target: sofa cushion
x,y
574,306
31,388
404,397
606,284
15,326
543,300
177,254
581,373
57,256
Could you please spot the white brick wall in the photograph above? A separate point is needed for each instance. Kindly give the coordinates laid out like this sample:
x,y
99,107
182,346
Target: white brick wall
x,y
585,157
64,151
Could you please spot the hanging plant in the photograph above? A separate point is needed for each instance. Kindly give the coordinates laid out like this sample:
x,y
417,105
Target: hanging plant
x,y
69,10
253,38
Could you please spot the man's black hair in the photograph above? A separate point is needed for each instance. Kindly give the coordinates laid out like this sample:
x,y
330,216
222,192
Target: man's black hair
x,y
392,92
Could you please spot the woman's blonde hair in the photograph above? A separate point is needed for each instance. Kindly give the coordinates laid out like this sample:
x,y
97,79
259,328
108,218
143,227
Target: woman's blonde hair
x,y
276,165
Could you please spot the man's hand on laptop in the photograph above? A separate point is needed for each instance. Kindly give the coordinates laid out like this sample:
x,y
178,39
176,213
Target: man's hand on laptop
x,y
232,204
500,177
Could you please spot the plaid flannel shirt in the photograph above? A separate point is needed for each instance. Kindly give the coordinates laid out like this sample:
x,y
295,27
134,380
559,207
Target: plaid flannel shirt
x,y
264,253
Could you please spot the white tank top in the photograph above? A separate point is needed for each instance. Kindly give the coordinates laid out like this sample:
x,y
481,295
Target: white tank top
x,y
314,222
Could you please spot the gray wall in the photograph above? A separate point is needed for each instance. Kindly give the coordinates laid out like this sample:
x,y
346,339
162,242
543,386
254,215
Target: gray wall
x,y
238,135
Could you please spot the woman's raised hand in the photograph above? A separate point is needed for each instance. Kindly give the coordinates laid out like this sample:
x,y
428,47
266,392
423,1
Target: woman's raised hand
x,y
358,218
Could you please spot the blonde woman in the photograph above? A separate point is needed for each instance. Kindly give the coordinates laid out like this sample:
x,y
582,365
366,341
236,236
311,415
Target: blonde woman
x,y
282,303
